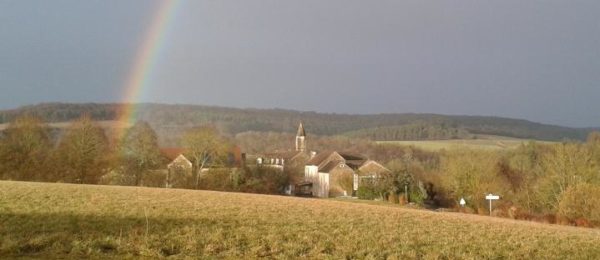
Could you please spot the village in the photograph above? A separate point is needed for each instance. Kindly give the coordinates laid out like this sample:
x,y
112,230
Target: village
x,y
339,129
325,173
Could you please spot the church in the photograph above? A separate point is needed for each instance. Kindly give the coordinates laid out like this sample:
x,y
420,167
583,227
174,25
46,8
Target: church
x,y
326,173
296,157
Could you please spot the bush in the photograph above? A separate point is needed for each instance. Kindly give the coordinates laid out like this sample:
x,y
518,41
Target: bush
x,y
261,180
155,178
402,200
416,197
580,202
393,198
215,179
366,192
116,177
470,173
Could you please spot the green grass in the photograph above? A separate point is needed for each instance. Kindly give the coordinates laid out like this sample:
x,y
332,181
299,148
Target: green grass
x,y
482,142
76,221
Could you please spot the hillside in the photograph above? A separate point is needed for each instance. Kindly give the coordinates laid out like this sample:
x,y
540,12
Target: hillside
x,y
477,142
79,221
174,118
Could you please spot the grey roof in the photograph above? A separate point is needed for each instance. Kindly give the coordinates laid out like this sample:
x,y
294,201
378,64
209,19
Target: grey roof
x,y
284,155
352,160
330,166
319,158
355,164
352,156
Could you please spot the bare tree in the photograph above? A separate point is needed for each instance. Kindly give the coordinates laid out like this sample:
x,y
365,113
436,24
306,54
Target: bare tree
x,y
205,147
83,152
139,151
24,149
566,165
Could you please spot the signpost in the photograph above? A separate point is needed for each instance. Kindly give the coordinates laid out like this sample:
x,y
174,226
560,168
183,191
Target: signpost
x,y
491,197
462,202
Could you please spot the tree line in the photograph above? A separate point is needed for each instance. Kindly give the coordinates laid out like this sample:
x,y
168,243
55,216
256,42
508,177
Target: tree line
x,y
168,119
414,131
554,183
83,153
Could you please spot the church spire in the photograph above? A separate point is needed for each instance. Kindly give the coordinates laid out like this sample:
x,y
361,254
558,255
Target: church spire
x,y
301,139
301,130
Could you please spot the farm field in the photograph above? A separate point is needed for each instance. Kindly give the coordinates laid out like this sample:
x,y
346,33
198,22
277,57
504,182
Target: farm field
x,y
482,142
66,220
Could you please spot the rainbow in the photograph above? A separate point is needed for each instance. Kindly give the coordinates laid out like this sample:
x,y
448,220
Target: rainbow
x,y
146,59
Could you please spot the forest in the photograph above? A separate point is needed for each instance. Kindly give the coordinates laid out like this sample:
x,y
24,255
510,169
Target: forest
x,y
554,183
167,119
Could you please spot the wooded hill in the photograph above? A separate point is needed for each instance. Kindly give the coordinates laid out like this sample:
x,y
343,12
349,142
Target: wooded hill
x,y
407,126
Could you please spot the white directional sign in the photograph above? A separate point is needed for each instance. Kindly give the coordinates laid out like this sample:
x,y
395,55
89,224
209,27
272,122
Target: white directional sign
x,y
492,197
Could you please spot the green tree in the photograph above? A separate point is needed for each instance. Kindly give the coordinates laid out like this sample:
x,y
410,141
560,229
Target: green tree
x,y
205,147
24,150
139,151
83,152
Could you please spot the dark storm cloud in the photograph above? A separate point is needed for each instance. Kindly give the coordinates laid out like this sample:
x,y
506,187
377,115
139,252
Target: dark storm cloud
x,y
537,60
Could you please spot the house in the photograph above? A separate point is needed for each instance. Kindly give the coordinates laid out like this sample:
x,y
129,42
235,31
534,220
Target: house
x,y
280,160
180,168
334,174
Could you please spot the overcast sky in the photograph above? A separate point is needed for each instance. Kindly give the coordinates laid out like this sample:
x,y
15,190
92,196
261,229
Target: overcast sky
x,y
537,60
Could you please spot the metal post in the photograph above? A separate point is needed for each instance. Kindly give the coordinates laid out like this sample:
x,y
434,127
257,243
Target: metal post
x,y
406,192
490,207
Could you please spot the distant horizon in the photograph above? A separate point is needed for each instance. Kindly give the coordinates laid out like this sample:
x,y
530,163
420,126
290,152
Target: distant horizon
x,y
295,110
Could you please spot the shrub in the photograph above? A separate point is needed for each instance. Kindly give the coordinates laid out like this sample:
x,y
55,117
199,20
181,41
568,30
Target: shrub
x,y
403,200
416,197
366,192
216,179
581,201
116,177
393,198
469,174
155,178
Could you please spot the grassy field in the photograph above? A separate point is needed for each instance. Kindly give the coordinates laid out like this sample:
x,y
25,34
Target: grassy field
x,y
63,220
487,142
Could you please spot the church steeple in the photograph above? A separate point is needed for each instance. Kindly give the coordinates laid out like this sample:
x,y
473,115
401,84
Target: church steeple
x,y
301,139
